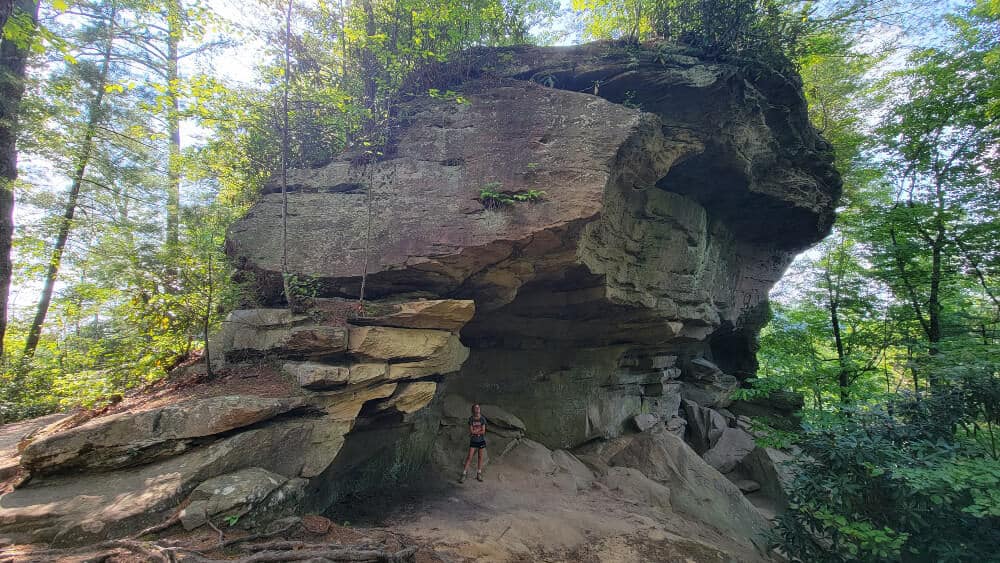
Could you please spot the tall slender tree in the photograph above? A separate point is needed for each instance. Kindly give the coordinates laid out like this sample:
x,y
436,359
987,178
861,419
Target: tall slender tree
x,y
13,63
95,117
175,32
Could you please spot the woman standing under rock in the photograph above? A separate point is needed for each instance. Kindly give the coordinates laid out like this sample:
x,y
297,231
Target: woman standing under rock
x,y
477,441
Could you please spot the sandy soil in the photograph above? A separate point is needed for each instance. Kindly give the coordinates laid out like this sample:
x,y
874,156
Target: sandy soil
x,y
521,515
517,514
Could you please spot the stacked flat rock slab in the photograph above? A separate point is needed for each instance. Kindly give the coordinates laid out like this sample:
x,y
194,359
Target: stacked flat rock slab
x,y
237,455
126,439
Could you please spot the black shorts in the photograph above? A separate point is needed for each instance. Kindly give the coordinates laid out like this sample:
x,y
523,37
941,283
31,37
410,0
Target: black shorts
x,y
477,443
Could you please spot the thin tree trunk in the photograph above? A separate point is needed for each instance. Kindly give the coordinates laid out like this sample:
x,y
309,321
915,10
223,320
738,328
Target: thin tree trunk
x,y
911,291
349,130
343,43
369,67
284,159
13,64
833,307
175,12
94,116
934,298
208,321
843,379
6,8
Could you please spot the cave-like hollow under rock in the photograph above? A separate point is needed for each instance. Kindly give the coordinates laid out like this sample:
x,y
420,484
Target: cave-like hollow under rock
x,y
677,190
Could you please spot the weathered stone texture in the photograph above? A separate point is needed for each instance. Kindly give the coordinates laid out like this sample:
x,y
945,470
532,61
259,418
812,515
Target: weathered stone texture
x,y
676,192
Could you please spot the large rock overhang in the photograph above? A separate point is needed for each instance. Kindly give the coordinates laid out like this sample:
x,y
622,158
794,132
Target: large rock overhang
x,y
677,191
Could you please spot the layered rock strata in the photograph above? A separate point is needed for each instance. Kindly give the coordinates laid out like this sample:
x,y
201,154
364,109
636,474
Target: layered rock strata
x,y
239,455
588,234
676,191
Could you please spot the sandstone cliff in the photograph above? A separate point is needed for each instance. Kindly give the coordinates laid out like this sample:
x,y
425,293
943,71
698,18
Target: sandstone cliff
x,y
587,235
677,191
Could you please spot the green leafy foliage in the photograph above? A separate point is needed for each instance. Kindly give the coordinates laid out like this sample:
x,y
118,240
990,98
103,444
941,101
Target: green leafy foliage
x,y
875,486
492,197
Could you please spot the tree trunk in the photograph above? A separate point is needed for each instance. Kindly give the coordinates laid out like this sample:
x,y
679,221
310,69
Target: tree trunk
x,y
6,7
13,63
369,67
94,116
934,297
843,377
833,307
175,11
208,321
290,298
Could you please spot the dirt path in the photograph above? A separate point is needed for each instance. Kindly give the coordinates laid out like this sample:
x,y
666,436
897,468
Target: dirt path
x,y
527,509
524,515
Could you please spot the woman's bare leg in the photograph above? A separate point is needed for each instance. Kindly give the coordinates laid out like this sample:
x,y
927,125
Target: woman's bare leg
x,y
468,460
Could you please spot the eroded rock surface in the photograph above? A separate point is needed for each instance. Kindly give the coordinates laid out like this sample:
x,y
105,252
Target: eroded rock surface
x,y
590,238
676,191
126,439
236,455
696,488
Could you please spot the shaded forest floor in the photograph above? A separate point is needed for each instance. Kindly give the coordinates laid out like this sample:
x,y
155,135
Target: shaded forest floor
x,y
518,513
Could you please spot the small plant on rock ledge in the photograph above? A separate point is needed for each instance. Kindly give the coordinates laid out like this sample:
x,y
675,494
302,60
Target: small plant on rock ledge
x,y
492,198
300,291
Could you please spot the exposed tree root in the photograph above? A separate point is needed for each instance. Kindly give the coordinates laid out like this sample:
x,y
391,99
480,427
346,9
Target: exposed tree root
x,y
330,552
167,551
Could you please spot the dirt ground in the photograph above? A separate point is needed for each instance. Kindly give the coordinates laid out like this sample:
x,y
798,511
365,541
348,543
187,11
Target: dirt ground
x,y
516,515
521,515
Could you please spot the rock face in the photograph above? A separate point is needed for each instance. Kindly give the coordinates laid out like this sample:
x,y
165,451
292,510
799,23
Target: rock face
x,y
695,486
590,237
127,439
242,456
676,191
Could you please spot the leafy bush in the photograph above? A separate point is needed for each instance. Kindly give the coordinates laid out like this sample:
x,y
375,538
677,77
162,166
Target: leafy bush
x,y
896,483
492,198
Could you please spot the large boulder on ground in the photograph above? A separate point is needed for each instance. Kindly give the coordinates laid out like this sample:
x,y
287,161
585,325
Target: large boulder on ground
x,y
645,421
72,509
562,468
734,445
501,418
769,467
704,426
633,484
571,465
229,496
696,488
